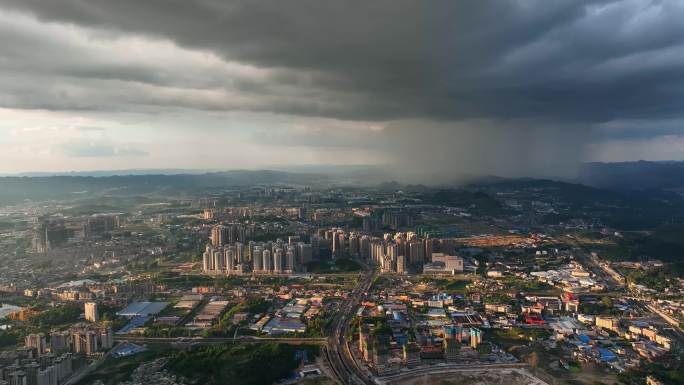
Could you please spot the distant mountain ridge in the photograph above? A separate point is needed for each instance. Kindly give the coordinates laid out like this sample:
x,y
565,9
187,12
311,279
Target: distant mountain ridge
x,y
640,175
106,173
17,188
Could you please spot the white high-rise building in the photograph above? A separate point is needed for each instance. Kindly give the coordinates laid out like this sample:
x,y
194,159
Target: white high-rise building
x,y
207,259
278,261
290,261
257,259
230,259
268,261
217,264
91,313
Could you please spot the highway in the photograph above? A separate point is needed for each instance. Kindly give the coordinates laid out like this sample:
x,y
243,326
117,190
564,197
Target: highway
x,y
668,318
337,352
611,278
617,282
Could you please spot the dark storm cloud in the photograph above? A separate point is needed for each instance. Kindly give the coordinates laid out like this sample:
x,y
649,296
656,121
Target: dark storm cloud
x,y
574,60
504,87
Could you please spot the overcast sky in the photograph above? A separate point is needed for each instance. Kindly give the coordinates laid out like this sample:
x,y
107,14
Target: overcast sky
x,y
528,87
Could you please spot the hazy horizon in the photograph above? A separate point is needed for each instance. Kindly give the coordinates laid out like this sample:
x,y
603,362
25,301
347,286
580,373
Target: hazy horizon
x,y
295,168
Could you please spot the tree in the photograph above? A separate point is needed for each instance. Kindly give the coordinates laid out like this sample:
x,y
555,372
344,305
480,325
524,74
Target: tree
x,y
484,348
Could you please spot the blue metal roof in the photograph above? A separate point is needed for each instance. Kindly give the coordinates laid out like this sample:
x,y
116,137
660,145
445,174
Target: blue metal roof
x,y
607,355
584,338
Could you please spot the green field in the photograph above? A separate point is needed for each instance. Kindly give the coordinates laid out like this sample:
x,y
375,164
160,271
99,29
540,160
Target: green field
x,y
244,364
